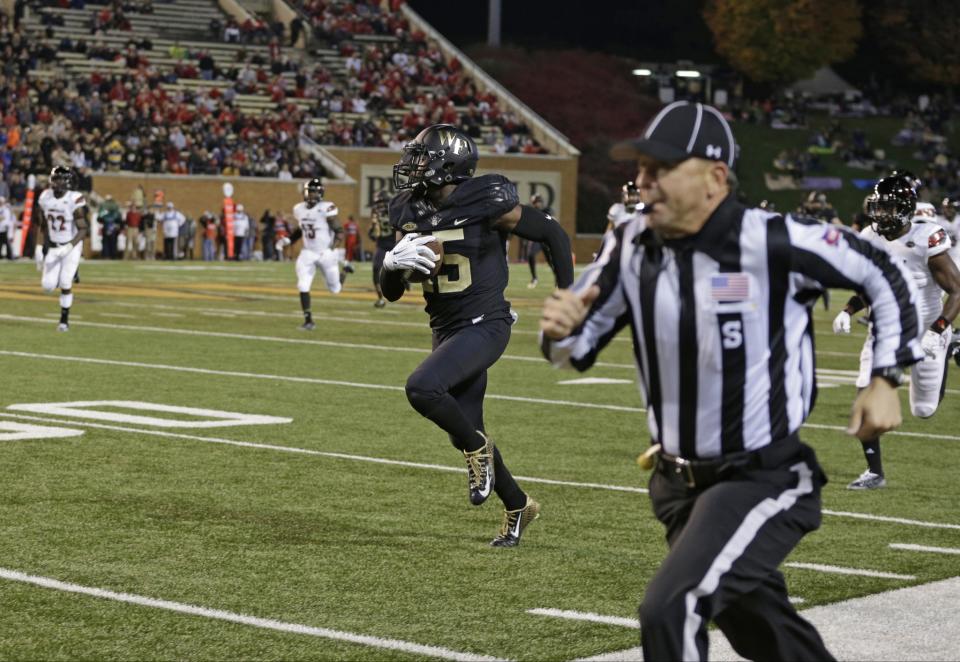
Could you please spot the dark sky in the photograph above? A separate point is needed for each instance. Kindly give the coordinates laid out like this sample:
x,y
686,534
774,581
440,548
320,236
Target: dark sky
x,y
647,30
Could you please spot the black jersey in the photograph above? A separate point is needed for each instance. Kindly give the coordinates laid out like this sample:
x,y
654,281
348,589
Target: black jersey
x,y
469,288
382,232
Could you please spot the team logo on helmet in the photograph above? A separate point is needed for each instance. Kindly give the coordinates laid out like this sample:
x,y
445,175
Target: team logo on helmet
x,y
440,154
891,205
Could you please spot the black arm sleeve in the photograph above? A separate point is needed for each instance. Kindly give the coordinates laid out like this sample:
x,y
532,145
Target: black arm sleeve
x,y
295,235
855,304
537,226
391,284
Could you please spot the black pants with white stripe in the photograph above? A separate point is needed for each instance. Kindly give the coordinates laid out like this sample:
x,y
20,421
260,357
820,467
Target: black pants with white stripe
x,y
726,542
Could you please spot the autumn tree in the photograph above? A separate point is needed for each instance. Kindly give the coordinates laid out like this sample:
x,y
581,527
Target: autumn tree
x,y
922,35
780,41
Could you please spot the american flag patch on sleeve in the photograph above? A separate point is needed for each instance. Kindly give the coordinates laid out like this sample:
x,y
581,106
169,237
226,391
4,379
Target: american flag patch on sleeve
x,y
730,287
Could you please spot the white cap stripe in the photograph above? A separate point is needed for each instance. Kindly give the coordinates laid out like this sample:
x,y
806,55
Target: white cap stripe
x,y
696,128
661,115
726,129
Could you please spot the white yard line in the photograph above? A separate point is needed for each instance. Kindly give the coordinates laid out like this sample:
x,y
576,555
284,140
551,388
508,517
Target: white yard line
x,y
330,382
243,619
923,548
304,380
837,570
308,451
891,520
119,315
434,467
587,616
604,619
831,377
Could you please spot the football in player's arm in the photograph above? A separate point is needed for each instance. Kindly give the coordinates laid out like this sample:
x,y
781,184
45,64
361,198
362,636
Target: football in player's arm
x,y
525,221
62,216
440,199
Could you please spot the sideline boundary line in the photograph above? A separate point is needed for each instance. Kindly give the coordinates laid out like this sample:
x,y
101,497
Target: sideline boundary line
x,y
243,619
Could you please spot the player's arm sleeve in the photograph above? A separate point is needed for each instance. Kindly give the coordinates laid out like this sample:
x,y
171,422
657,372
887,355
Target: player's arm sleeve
x,y
336,228
391,284
83,226
41,220
608,314
534,225
835,257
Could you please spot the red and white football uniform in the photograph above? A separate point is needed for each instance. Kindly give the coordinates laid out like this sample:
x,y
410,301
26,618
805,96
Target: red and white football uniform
x,y
925,239
60,268
316,224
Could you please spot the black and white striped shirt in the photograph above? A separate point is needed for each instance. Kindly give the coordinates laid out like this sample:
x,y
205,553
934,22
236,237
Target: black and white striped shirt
x,y
722,322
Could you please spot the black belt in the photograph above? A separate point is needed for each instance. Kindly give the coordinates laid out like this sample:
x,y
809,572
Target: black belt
x,y
59,244
706,472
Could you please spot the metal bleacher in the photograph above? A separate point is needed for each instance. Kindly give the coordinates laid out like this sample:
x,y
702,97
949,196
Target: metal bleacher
x,y
185,23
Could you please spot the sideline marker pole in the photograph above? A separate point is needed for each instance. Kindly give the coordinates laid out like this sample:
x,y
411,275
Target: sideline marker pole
x,y
228,217
27,212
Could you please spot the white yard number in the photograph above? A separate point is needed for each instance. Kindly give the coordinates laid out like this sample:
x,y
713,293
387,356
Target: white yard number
x,y
22,432
189,417
732,332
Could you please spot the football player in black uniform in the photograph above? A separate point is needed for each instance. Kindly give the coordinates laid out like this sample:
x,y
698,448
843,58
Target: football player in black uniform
x,y
439,198
534,247
384,236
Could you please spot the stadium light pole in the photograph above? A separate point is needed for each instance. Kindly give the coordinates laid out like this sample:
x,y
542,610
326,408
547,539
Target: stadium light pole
x,y
493,23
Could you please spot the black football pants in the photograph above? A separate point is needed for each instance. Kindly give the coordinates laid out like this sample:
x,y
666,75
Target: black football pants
x,y
726,542
448,388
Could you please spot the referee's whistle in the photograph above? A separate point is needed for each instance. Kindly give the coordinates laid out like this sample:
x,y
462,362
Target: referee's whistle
x,y
648,457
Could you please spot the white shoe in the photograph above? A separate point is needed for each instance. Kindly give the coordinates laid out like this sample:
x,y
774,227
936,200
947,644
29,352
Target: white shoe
x,y
532,284
63,326
868,481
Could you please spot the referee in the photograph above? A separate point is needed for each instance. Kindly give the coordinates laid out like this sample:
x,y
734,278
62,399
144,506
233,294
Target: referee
x,y
718,298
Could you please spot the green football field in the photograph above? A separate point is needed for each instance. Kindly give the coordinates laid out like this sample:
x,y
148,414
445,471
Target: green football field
x,y
244,490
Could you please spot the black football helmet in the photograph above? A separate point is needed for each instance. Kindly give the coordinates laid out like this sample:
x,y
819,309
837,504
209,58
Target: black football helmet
x,y
61,179
891,205
440,154
950,206
313,191
381,203
630,195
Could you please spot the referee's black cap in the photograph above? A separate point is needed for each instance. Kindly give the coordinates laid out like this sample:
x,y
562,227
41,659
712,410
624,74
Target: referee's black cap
x,y
680,131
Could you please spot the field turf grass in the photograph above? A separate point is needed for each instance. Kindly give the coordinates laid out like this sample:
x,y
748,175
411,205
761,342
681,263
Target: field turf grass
x,y
384,550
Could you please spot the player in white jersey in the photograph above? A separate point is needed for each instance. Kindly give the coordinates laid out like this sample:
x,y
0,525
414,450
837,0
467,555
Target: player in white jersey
x,y
8,228
63,222
623,211
317,224
950,220
922,247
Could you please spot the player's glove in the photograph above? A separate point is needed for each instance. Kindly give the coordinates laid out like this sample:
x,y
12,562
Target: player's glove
x,y
281,242
933,343
841,323
411,253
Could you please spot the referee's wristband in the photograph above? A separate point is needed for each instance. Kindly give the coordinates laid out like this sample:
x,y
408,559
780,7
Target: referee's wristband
x,y
939,325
